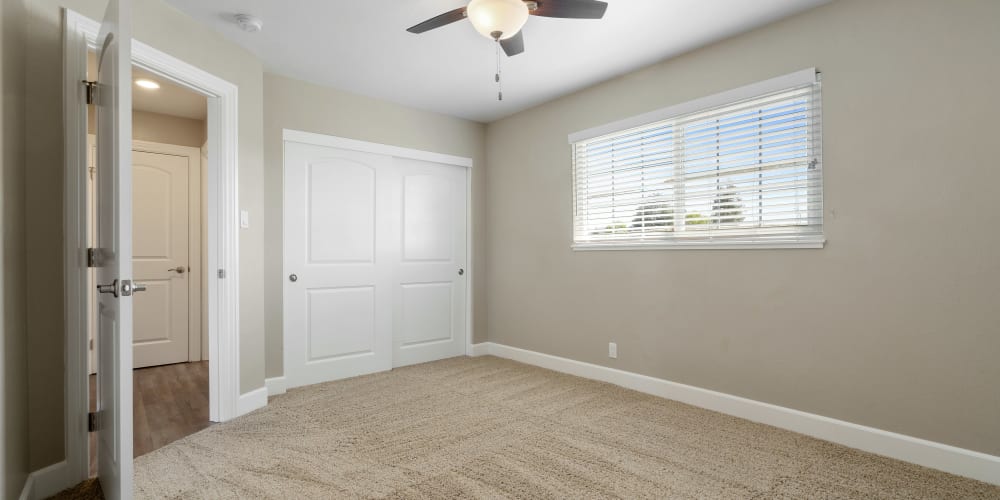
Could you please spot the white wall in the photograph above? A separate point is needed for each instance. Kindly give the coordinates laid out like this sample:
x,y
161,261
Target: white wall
x,y
893,325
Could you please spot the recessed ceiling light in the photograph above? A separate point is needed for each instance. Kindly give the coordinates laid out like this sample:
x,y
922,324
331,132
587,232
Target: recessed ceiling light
x,y
147,84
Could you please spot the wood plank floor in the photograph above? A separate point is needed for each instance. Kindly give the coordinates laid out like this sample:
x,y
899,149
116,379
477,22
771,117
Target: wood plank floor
x,y
168,403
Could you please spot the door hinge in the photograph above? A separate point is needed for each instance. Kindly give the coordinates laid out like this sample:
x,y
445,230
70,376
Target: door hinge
x,y
93,422
222,273
91,91
92,257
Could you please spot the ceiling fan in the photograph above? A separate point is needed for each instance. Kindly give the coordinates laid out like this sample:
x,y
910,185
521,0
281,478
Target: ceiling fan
x,y
502,20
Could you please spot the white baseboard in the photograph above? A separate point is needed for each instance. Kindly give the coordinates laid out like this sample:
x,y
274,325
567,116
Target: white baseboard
x,y
47,481
960,461
50,480
481,349
275,385
251,401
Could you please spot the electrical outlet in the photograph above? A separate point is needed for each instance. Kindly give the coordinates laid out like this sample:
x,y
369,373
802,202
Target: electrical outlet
x,y
612,350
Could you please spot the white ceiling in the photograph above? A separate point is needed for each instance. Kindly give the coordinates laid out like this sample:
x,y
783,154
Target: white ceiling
x,y
361,46
170,99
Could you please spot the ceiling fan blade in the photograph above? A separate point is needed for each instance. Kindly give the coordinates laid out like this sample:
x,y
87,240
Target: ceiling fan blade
x,y
439,21
571,9
513,45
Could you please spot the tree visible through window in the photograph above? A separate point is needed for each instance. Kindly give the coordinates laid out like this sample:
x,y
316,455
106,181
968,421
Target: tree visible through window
x,y
744,171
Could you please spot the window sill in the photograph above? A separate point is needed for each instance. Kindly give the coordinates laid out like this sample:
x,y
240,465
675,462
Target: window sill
x,y
796,243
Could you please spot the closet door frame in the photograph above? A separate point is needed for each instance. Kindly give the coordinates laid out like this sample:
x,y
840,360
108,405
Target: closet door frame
x,y
314,139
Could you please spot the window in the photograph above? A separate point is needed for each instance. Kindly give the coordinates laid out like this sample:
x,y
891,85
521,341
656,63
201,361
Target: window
x,y
739,169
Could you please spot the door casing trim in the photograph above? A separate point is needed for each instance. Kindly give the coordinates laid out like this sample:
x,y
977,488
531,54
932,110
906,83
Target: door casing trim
x,y
222,215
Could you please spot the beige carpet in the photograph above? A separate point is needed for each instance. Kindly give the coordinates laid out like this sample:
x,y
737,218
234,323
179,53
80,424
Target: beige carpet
x,y
492,428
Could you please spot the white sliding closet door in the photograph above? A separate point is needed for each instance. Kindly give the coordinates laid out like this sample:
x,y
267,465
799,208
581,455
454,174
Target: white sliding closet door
x,y
375,252
430,302
338,296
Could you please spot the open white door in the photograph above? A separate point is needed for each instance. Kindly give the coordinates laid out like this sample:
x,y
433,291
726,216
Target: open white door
x,y
114,251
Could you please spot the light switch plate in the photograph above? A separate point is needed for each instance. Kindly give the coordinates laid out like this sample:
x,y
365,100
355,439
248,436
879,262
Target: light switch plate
x,y
244,219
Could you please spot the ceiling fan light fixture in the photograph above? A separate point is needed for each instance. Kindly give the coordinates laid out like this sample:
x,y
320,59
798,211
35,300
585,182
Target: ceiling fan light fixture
x,y
491,17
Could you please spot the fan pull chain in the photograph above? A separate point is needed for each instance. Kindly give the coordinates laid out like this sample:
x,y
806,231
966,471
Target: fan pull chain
x,y
497,78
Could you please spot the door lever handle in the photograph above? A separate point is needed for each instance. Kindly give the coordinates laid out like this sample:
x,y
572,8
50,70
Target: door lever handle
x,y
127,288
178,269
110,288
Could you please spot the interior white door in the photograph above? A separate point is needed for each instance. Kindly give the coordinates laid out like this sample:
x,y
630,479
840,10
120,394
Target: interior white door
x,y
338,292
160,207
114,236
430,304
375,253
91,243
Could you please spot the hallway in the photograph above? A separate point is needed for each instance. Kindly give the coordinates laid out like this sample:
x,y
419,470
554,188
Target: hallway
x,y
169,402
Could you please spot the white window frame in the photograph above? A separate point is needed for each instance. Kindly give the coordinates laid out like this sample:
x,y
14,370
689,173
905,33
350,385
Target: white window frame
x,y
792,80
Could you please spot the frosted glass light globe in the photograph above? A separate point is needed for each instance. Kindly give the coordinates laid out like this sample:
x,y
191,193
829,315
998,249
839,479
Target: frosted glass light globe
x,y
490,16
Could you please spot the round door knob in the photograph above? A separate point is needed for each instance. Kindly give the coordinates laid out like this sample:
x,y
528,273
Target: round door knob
x,y
461,272
293,278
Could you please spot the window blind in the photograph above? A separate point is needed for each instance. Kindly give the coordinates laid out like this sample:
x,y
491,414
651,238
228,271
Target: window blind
x,y
744,172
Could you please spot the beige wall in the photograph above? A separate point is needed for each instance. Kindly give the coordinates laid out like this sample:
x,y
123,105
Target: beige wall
x,y
166,129
158,127
166,29
893,325
298,105
13,346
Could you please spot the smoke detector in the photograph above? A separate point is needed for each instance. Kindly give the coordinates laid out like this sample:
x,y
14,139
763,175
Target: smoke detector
x,y
249,23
